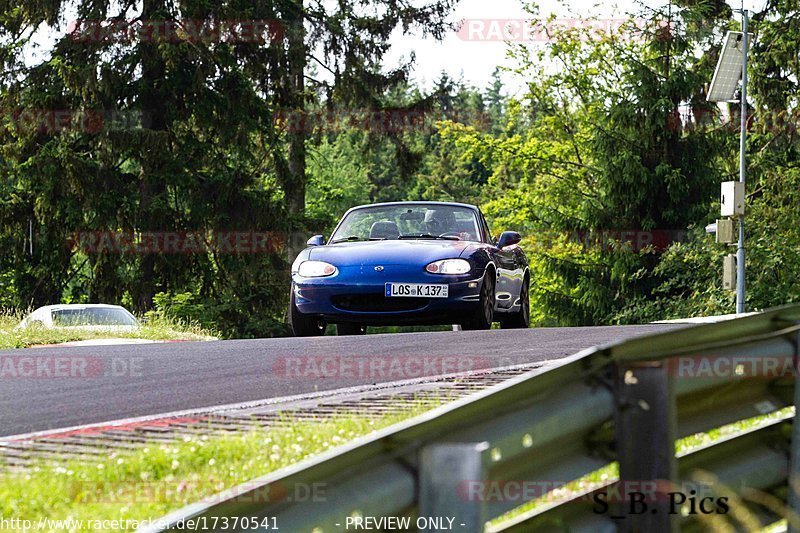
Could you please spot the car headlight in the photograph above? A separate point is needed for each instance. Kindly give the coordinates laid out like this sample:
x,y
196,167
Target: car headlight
x,y
449,266
315,269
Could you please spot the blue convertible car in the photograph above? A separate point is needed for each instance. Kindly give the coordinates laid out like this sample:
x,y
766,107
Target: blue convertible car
x,y
410,263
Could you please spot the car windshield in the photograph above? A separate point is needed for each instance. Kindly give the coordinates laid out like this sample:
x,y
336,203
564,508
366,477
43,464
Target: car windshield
x,y
408,222
92,317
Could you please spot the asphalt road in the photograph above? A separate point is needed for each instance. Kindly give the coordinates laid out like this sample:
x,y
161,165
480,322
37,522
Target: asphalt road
x,y
51,388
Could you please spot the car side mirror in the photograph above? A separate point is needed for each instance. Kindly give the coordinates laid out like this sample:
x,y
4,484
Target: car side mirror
x,y
508,238
316,240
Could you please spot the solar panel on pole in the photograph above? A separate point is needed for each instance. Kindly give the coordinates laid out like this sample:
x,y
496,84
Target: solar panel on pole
x,y
729,69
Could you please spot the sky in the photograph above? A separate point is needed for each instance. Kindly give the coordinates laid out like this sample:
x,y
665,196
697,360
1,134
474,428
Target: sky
x,y
473,56
472,53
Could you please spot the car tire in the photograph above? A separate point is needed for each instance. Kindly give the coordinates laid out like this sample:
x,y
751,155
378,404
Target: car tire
x,y
522,318
350,329
483,316
304,325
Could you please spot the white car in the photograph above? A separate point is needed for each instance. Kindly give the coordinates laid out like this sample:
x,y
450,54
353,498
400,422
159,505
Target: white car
x,y
84,316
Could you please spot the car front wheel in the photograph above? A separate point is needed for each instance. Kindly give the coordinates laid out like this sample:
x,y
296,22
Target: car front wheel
x,y
304,325
483,316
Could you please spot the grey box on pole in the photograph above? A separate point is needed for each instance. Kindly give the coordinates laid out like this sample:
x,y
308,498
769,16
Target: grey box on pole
x,y
726,231
732,199
729,272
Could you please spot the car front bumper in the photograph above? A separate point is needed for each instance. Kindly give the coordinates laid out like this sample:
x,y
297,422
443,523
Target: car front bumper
x,y
357,295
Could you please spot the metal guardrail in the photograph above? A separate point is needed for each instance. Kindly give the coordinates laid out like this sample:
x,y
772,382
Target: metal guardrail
x,y
626,402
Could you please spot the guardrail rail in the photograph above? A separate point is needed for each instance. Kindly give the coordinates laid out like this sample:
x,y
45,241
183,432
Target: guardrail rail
x,y
544,431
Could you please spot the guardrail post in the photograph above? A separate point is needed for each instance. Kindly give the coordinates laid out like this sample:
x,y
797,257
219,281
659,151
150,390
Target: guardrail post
x,y
645,427
794,467
451,476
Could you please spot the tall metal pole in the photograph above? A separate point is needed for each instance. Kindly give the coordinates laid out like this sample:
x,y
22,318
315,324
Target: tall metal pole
x,y
740,281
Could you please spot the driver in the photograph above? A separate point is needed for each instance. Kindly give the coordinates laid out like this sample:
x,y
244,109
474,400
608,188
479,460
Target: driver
x,y
439,221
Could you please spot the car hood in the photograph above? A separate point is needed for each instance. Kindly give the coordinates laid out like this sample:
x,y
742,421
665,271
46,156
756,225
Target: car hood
x,y
387,252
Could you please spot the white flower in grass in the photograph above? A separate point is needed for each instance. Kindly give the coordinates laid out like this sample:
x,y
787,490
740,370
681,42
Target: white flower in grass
x,y
175,464
211,462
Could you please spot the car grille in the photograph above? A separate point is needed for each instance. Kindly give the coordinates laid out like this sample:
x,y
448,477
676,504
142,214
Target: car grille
x,y
377,303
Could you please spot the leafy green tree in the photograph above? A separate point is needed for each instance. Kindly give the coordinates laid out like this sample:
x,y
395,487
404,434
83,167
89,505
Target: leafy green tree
x,y
689,276
339,177
205,147
599,146
495,100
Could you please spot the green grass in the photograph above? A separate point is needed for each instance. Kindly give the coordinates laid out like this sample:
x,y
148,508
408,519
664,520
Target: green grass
x,y
150,482
157,327
692,442
153,481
